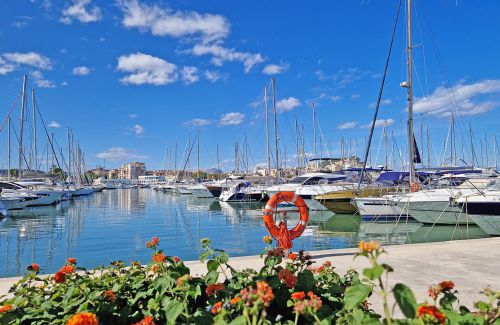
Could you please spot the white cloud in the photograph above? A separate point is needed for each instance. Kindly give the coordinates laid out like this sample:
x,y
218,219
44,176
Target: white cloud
x,y
188,75
146,69
119,154
81,71
344,77
29,58
167,22
138,129
379,123
6,67
333,98
133,116
347,125
234,118
222,54
272,69
471,99
198,122
355,96
46,4
40,80
287,104
212,76
81,11
387,101
64,83
21,21
54,125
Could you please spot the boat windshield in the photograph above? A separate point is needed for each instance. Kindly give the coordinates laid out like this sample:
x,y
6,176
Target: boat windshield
x,y
298,180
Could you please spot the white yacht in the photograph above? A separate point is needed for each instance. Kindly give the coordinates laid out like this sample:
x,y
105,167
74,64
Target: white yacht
x,y
244,192
484,209
310,185
372,208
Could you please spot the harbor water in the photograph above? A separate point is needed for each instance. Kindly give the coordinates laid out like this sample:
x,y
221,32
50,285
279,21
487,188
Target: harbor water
x,y
115,224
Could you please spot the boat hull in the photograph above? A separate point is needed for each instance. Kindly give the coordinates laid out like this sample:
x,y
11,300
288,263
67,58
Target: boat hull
x,y
436,212
374,208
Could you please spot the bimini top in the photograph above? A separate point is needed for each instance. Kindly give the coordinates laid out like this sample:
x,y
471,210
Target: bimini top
x,y
399,177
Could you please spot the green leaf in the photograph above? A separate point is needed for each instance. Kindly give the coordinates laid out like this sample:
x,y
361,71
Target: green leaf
x,y
172,309
305,281
355,295
202,317
211,277
223,257
447,301
373,272
239,321
212,265
204,256
405,300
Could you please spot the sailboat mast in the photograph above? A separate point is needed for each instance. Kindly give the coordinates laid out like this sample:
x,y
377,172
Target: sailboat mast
x,y
275,128
297,142
198,156
23,104
9,150
34,130
268,148
69,156
411,140
314,127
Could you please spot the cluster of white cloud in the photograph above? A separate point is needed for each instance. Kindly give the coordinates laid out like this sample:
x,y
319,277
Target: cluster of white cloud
x,y
274,69
138,129
40,80
464,99
233,118
119,154
142,69
287,104
54,125
146,69
354,124
82,11
347,125
227,119
21,21
208,31
81,71
11,61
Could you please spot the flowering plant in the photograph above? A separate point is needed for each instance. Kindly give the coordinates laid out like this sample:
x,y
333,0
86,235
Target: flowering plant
x,y
288,289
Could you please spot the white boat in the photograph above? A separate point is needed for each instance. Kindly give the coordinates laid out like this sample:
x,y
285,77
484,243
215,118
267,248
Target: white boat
x,y
372,208
244,192
308,186
436,206
200,190
46,197
484,210
87,190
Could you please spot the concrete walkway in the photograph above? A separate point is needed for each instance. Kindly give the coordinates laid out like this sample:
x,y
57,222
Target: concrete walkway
x,y
472,264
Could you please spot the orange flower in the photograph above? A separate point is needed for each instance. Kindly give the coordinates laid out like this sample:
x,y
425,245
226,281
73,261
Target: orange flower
x,y
59,277
265,292
34,267
176,259
216,308
148,320
109,295
5,308
213,288
267,239
153,242
447,285
159,258
83,319
292,256
155,268
298,295
368,247
434,292
235,300
67,269
432,312
71,260
327,263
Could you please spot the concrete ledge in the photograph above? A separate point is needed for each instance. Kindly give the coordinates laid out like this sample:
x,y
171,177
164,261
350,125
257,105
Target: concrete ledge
x,y
472,264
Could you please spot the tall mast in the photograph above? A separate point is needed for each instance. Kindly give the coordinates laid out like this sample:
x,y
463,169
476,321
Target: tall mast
x,y
9,150
198,156
23,103
411,140
297,143
69,156
268,148
385,146
275,128
218,164
34,130
314,128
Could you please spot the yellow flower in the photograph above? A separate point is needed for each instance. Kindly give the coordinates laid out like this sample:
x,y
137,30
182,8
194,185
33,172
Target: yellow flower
x,y
368,247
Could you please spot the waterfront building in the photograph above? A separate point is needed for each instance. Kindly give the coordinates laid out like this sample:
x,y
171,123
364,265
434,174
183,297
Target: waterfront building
x,y
132,170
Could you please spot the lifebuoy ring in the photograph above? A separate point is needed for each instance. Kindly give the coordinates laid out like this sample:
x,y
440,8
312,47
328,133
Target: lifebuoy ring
x,y
415,187
281,232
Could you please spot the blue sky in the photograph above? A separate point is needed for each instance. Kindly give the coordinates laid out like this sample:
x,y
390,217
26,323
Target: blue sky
x,y
134,77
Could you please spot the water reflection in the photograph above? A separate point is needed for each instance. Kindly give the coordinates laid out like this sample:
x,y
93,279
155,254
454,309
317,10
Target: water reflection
x,y
115,224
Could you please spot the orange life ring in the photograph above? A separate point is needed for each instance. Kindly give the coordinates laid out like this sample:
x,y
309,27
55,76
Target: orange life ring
x,y
415,186
281,232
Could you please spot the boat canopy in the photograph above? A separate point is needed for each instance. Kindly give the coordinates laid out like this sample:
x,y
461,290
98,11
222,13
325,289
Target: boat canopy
x,y
399,177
